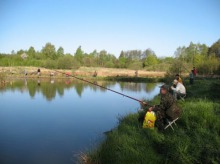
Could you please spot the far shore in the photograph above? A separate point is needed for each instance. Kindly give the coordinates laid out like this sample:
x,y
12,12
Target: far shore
x,y
19,71
96,73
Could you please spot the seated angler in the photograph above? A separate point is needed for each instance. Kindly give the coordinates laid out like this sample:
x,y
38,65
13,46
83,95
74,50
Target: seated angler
x,y
167,109
178,78
179,90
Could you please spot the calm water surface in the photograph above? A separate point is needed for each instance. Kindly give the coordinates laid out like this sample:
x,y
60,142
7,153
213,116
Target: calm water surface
x,y
51,121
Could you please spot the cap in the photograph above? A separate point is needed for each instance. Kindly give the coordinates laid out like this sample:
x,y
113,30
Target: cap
x,y
177,75
166,87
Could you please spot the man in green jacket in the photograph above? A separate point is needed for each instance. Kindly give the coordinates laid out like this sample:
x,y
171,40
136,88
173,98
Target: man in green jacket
x,y
167,109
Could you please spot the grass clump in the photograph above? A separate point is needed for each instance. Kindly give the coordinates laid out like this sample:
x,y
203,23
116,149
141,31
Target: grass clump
x,y
195,140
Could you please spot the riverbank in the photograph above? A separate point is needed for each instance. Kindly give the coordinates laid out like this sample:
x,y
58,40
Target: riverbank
x,y
195,140
82,71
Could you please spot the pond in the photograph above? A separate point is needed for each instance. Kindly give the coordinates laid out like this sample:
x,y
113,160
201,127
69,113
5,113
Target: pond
x,y
50,121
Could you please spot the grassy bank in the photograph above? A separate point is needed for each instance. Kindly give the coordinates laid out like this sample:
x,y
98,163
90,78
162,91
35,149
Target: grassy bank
x,y
133,79
195,140
82,71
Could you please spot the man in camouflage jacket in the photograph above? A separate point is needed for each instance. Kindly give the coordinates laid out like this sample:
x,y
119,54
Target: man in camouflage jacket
x,y
166,109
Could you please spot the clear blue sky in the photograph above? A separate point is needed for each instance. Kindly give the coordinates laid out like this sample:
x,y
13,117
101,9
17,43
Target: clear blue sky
x,y
113,25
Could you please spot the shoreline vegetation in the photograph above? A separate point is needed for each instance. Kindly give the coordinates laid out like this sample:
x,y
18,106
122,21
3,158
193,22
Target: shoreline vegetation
x,y
90,73
195,139
82,71
111,74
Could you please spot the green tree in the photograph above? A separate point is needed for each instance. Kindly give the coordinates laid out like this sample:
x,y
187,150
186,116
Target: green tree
x,y
49,51
39,56
215,49
194,54
49,63
209,65
60,51
79,55
148,52
110,61
151,60
135,65
122,60
203,49
31,52
168,60
20,52
102,58
191,51
65,62
89,60
180,53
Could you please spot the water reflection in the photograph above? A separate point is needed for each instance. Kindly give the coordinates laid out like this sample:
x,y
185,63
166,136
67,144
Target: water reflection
x,y
49,120
52,87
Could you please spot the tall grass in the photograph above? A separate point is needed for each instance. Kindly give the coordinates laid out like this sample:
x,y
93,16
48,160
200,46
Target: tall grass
x,y
195,140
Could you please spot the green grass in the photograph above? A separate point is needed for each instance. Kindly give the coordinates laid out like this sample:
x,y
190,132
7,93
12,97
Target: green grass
x,y
195,140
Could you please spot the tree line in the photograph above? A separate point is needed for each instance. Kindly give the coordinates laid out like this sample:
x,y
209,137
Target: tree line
x,y
205,58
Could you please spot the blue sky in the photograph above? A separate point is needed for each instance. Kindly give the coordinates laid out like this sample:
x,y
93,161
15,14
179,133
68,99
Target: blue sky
x,y
113,25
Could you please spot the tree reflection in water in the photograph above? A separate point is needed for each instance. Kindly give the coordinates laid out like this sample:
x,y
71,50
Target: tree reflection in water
x,y
52,87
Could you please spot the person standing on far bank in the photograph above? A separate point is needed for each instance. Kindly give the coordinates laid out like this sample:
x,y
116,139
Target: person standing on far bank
x,y
194,71
38,72
191,77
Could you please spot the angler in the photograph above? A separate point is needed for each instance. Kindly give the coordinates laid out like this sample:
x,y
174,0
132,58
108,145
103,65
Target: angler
x,y
167,109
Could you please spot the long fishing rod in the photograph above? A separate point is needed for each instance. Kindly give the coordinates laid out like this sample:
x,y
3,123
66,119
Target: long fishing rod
x,y
103,87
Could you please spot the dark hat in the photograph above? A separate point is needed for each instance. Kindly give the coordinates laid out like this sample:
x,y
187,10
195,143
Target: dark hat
x,y
166,87
177,75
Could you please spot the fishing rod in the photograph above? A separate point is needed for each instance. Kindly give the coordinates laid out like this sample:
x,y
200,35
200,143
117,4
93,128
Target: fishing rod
x,y
103,87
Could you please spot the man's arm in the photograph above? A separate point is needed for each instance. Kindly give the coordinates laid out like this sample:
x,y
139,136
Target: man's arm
x,y
174,89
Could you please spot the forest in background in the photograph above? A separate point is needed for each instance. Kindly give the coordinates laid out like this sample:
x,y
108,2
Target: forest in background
x,y
205,59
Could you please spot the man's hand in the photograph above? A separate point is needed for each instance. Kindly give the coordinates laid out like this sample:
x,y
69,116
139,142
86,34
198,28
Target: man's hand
x,y
143,103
